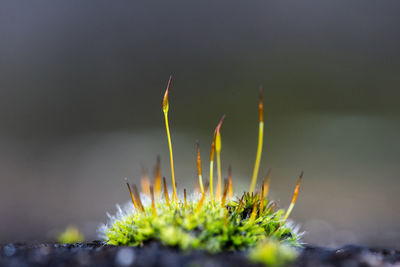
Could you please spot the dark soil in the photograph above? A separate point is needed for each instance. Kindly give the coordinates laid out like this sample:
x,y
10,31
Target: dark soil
x,y
98,254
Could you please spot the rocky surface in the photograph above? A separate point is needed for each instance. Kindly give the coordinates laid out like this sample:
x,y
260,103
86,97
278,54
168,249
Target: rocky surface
x,y
97,254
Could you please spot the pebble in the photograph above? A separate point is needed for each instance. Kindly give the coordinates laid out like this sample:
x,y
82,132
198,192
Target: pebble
x,y
9,250
125,257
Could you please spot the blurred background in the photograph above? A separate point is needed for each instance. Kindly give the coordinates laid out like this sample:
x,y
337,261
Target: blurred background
x,y
81,85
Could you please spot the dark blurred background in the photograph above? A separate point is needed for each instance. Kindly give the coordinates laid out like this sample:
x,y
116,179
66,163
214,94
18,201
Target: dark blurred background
x,y
81,84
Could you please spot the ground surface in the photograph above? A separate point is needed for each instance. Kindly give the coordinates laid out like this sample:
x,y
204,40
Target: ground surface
x,y
97,254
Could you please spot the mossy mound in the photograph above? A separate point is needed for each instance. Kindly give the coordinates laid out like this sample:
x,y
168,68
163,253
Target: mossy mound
x,y
210,226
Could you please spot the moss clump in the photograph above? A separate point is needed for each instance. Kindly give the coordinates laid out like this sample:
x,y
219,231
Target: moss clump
x,y
213,222
212,227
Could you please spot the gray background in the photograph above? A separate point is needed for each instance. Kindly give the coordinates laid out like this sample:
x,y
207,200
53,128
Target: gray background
x,y
81,84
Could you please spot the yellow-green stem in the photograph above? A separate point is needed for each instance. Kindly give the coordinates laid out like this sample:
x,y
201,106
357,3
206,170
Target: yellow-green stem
x,y
289,210
211,181
258,157
219,183
171,157
201,184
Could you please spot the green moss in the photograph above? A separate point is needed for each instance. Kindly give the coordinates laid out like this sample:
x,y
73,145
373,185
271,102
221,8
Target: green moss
x,y
207,224
273,253
213,228
71,235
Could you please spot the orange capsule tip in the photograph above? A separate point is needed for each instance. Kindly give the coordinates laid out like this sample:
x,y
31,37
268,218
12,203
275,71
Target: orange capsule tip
x,y
166,191
261,106
184,195
296,190
139,201
217,129
165,99
131,194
